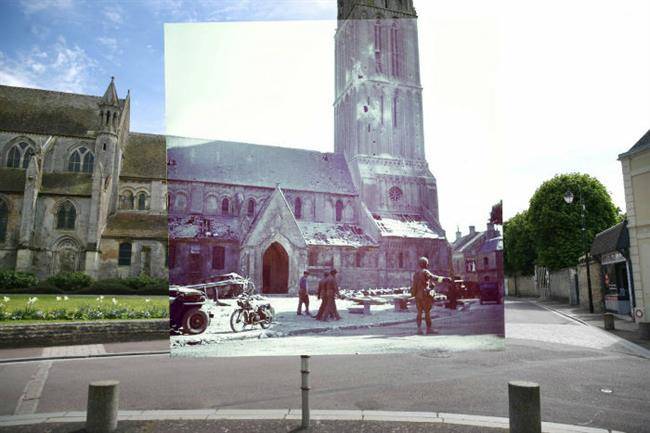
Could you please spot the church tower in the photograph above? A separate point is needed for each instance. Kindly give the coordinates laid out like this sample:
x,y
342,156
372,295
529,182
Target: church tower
x,y
378,107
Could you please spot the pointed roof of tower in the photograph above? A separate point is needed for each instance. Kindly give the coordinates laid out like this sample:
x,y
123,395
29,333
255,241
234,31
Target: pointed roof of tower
x,y
110,96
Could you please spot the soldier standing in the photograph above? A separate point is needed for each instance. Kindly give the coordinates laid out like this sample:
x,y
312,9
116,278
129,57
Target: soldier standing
x,y
420,290
322,296
332,290
303,294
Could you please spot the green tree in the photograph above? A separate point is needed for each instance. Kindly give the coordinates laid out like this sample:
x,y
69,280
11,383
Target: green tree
x,y
519,249
556,225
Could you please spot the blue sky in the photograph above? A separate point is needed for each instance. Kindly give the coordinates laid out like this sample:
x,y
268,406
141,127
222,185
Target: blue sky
x,y
76,46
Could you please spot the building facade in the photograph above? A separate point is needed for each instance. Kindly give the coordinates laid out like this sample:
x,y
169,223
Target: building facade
x,y
478,256
369,209
78,190
636,180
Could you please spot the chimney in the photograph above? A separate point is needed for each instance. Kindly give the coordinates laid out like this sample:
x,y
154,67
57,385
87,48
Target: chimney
x,y
458,233
472,230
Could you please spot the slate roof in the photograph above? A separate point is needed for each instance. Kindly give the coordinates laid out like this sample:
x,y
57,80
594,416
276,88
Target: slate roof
x,y
136,226
468,241
406,228
67,183
12,179
47,112
340,235
492,245
615,238
641,145
145,156
262,166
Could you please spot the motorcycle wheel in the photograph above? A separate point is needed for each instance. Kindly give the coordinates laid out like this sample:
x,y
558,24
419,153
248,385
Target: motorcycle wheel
x,y
195,321
237,320
268,312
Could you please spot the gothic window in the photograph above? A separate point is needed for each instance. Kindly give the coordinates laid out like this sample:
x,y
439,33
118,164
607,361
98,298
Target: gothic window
x,y
81,160
339,211
142,201
66,216
297,208
486,262
180,202
395,51
19,155
225,206
218,257
211,205
400,260
124,257
251,208
358,259
395,193
4,218
127,200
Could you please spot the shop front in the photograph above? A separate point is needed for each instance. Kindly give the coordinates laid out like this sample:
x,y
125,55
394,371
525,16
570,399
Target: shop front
x,y
610,248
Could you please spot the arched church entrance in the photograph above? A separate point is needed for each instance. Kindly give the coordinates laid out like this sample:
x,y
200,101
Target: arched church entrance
x,y
275,269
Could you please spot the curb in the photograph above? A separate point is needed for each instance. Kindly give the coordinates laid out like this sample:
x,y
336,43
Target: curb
x,y
632,347
66,357
295,414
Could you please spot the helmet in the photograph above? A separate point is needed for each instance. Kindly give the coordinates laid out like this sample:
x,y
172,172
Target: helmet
x,y
423,262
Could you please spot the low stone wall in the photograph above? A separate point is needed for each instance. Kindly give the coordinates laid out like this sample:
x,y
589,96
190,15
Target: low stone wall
x,y
57,334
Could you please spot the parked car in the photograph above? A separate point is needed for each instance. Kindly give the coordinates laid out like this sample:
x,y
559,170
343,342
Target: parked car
x,y
224,286
490,292
186,315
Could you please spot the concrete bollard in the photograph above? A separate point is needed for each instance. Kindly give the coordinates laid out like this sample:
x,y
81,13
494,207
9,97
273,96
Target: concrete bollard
x,y
103,402
524,407
304,372
609,321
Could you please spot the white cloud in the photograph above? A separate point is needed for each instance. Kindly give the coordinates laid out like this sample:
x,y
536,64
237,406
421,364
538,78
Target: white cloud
x,y
114,14
35,6
61,67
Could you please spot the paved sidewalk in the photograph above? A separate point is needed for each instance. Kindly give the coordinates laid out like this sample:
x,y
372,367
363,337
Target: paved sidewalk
x,y
625,329
280,420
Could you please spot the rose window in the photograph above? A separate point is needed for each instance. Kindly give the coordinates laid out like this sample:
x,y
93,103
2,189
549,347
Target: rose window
x,y
395,193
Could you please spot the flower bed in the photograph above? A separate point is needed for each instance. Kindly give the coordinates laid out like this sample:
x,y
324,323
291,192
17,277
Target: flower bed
x,y
21,308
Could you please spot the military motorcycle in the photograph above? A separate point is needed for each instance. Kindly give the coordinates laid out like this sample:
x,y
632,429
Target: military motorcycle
x,y
251,312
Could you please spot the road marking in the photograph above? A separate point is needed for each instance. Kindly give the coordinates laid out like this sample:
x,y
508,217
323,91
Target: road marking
x,y
28,401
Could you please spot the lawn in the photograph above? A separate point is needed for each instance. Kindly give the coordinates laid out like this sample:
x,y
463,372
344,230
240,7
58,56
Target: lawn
x,y
36,308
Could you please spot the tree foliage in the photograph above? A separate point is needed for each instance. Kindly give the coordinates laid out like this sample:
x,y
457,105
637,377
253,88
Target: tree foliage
x,y
556,225
496,214
519,249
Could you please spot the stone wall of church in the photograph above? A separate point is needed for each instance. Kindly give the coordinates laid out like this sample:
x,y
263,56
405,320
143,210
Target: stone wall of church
x,y
147,257
8,246
191,261
155,193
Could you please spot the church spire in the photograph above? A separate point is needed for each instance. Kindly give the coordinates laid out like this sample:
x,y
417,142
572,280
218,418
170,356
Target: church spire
x,y
110,96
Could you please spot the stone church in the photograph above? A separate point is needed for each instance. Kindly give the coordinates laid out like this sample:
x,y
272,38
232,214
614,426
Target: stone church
x,y
78,190
369,209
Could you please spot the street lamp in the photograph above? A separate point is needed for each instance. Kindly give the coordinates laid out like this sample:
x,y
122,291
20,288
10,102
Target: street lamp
x,y
568,198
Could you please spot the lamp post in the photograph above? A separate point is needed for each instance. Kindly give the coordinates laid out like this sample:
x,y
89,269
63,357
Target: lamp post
x,y
568,198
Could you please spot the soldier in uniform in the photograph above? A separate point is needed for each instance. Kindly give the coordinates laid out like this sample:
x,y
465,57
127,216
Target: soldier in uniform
x,y
332,290
420,290
322,296
303,294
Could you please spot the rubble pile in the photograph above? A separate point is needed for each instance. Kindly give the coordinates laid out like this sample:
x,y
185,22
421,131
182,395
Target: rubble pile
x,y
334,234
200,227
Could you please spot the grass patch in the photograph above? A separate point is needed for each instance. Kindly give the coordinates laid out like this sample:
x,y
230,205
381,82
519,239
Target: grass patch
x,y
33,309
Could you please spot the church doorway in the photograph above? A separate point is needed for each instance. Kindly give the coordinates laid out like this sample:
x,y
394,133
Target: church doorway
x,y
275,270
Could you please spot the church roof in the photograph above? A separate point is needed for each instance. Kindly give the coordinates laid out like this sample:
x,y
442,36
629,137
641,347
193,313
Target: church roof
x,y
47,112
405,227
12,179
262,166
145,156
136,225
641,145
340,235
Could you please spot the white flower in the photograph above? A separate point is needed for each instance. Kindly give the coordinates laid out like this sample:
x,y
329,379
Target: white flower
x,y
58,298
147,300
30,301
101,297
114,301
6,299
65,298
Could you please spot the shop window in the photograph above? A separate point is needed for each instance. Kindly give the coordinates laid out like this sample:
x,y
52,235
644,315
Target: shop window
x,y
124,257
